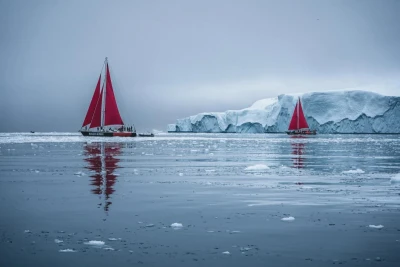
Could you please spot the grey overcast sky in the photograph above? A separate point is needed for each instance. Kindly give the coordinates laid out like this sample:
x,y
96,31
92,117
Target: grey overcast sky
x,y
174,58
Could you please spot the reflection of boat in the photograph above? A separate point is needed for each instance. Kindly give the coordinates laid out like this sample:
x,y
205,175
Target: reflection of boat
x,y
298,151
298,123
102,117
102,161
146,135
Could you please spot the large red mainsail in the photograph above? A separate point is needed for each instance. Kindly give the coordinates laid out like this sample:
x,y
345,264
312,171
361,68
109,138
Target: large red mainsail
x,y
96,119
93,103
298,120
112,116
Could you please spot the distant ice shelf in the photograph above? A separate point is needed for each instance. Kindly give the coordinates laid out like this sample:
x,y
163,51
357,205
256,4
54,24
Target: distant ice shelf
x,y
327,112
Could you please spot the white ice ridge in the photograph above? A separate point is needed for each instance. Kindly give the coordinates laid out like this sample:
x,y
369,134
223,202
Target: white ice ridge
x,y
327,112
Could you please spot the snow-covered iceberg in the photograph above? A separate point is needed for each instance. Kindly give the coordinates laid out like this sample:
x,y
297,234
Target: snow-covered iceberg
x,y
327,112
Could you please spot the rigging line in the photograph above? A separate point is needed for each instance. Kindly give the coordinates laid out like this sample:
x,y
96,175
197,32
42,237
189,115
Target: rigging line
x,y
103,107
119,99
100,94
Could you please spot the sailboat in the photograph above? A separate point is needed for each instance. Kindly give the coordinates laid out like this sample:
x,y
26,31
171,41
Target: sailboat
x,y
298,123
103,117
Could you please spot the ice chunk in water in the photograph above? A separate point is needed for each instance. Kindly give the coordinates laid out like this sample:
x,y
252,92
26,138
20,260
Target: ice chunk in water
x,y
288,219
114,239
353,171
395,179
95,243
376,226
57,241
257,167
176,225
67,250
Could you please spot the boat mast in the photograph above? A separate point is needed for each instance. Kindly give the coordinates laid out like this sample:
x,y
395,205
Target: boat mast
x,y
103,107
298,113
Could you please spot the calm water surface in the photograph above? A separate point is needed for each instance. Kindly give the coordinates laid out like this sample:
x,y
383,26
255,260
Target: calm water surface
x,y
68,200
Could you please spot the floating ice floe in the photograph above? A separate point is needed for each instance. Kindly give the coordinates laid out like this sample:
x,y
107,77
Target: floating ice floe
x,y
288,219
114,239
353,171
109,248
67,250
180,174
79,173
226,252
376,226
58,241
395,179
95,243
176,225
257,167
27,231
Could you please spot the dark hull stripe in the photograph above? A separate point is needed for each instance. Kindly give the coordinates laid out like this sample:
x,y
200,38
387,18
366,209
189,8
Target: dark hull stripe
x,y
108,134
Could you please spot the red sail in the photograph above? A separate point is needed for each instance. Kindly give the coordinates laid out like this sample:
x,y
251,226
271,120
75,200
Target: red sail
x,y
293,123
112,116
96,119
298,120
92,106
302,120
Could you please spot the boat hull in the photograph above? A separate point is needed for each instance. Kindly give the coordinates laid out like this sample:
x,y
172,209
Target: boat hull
x,y
301,133
108,134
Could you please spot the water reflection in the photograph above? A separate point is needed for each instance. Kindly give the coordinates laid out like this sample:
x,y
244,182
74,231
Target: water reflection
x,y
298,149
102,161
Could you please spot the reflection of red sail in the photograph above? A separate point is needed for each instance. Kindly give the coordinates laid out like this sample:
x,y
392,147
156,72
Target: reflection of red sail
x,y
298,151
101,159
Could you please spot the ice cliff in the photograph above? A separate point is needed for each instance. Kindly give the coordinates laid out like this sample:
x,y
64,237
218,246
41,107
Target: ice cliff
x,y
327,112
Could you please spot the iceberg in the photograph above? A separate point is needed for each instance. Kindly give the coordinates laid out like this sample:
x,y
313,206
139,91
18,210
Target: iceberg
x,y
352,111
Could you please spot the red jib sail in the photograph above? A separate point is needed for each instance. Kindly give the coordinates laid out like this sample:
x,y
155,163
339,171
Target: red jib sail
x,y
112,116
93,103
298,120
96,119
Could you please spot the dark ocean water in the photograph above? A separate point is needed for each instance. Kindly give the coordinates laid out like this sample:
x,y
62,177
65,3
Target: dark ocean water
x,y
68,200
